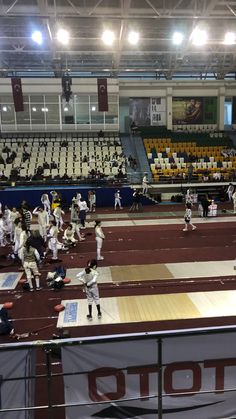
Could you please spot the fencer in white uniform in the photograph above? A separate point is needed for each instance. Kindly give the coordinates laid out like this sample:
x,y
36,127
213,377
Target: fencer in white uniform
x,y
99,235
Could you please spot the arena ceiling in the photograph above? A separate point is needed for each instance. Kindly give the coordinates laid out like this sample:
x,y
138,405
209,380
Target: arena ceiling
x,y
155,55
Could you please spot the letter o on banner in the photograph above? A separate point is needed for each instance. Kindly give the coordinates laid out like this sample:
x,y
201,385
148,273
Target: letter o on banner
x,y
110,373
176,367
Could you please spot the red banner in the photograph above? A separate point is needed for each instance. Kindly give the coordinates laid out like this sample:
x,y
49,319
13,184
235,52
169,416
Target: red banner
x,y
102,95
17,94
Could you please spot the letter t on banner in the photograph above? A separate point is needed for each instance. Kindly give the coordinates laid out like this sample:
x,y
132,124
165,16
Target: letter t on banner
x,y
102,95
17,94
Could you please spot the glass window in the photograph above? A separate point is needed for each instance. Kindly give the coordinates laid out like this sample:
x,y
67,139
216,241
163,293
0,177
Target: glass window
x,y
82,113
52,113
51,98
81,99
23,117
96,117
36,99
6,99
94,98
111,117
8,116
37,114
67,112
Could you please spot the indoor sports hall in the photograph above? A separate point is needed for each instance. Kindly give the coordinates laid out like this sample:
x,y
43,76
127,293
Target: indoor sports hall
x,y
117,209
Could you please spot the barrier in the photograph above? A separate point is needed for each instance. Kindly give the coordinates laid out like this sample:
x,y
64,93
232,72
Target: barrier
x,y
178,373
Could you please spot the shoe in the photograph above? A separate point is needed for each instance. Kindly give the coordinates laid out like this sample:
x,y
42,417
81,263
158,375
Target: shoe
x,y
89,317
185,229
99,315
194,228
38,288
101,258
12,332
82,239
31,289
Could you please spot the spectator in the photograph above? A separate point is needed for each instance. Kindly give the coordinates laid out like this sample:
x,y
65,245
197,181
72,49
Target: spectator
x,y
101,134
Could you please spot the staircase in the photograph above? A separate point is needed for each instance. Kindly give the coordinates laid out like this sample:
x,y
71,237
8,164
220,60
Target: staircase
x,y
133,145
147,198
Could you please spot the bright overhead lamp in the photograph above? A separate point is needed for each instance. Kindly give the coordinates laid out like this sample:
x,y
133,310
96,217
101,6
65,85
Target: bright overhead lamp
x,y
66,109
93,108
63,36
133,37
44,109
4,108
229,38
108,37
199,37
37,37
34,109
177,38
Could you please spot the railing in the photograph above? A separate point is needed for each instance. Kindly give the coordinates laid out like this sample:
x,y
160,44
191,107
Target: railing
x,y
192,353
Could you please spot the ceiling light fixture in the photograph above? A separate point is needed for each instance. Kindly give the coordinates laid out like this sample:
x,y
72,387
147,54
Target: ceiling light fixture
x,y
108,37
63,36
229,38
133,37
198,37
37,37
177,38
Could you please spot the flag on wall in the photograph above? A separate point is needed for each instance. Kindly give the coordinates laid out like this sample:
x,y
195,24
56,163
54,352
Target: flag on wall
x,y
102,95
17,94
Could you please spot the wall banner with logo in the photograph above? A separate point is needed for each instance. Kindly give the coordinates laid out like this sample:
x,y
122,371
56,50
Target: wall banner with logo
x,y
114,371
146,111
194,110
18,393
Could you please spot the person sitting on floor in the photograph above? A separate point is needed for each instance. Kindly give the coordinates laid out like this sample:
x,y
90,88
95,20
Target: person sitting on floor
x,y
68,236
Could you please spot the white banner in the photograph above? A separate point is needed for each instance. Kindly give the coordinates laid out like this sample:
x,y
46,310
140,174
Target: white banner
x,y
158,111
119,370
17,393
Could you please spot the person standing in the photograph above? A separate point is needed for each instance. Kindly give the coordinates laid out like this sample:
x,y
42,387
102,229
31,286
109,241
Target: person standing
x,y
24,234
3,232
136,205
234,201
14,214
53,242
46,203
188,217
117,200
88,277
26,216
205,206
74,216
58,217
29,258
230,191
43,221
83,208
92,201
99,235
145,184
190,172
17,234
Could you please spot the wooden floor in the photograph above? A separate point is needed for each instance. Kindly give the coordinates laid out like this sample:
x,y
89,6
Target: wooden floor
x,y
151,308
160,271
